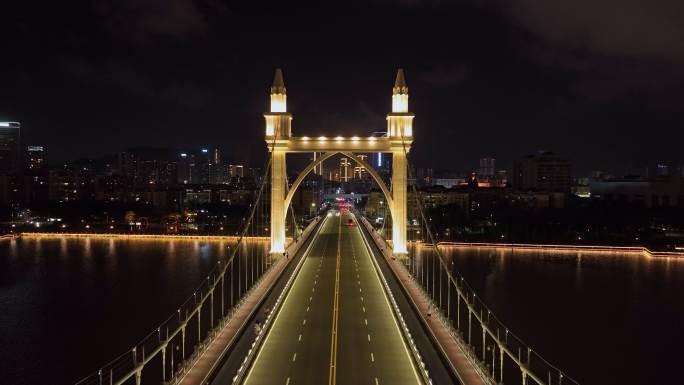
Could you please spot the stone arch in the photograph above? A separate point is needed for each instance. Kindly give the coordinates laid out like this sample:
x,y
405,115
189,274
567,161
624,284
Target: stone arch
x,y
328,155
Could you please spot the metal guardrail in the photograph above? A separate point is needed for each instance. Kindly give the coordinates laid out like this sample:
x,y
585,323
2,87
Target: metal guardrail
x,y
173,334
258,340
496,337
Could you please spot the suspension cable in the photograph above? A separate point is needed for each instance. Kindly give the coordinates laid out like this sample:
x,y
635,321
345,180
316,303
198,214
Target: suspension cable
x,y
503,345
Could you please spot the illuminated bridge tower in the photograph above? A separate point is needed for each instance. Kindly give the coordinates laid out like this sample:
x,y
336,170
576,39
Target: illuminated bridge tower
x,y
400,134
280,142
278,133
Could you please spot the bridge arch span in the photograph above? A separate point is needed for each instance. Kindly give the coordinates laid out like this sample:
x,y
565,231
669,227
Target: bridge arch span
x,y
328,155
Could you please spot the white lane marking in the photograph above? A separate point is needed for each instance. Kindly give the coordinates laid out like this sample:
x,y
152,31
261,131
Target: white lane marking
x,y
366,321
310,298
287,300
364,309
304,323
300,338
294,357
288,381
372,358
359,289
313,289
361,298
369,338
376,267
376,381
307,309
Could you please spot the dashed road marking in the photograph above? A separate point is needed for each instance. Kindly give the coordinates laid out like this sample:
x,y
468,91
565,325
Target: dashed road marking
x,y
300,338
304,322
294,357
369,338
372,358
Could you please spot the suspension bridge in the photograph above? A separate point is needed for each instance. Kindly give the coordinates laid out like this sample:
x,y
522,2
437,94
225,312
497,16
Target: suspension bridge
x,y
334,300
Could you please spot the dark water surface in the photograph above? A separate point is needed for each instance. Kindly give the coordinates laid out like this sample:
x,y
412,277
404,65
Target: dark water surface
x,y
69,305
601,318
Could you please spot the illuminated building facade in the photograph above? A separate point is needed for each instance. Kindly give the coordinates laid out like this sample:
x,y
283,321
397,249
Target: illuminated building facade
x,y
543,172
36,159
9,146
487,168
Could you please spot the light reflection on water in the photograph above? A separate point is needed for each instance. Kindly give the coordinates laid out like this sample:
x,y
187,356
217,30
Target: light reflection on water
x,y
613,318
68,305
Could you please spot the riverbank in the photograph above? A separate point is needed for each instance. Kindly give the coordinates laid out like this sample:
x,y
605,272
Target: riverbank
x,y
135,236
644,251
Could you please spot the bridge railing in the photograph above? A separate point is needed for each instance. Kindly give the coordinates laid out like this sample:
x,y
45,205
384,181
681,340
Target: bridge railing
x,y
499,355
166,354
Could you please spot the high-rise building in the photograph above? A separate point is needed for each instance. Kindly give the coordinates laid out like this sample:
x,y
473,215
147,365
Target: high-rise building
x,y
9,146
318,169
199,167
186,164
487,168
236,170
360,171
345,175
381,162
216,167
425,176
662,169
35,158
204,165
543,172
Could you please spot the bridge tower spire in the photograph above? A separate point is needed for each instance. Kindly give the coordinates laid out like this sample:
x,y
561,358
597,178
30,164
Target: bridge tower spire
x,y
400,133
278,134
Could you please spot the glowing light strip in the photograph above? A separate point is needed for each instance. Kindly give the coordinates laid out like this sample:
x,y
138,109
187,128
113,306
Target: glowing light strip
x,y
143,236
562,248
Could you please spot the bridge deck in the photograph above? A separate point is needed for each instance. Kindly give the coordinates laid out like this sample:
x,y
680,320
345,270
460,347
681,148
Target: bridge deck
x,y
336,324
467,371
231,334
358,320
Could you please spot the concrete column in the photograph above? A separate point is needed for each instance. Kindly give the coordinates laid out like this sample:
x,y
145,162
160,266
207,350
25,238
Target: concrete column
x,y
278,180
399,181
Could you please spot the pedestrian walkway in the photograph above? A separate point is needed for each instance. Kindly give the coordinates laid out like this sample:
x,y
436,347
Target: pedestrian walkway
x,y
466,370
210,358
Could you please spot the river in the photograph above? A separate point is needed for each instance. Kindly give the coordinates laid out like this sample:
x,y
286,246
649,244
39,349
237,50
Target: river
x,y
68,305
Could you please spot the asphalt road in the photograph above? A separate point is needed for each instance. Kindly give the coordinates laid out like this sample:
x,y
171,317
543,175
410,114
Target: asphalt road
x,y
336,324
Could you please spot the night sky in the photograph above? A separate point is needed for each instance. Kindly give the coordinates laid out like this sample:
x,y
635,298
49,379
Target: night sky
x,y
598,81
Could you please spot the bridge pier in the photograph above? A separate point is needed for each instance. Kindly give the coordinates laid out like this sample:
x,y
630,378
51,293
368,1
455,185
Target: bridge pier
x,y
399,171
278,180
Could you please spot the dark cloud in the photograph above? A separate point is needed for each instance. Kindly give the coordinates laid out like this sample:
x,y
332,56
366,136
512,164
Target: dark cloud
x,y
486,76
651,28
142,21
447,74
110,74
